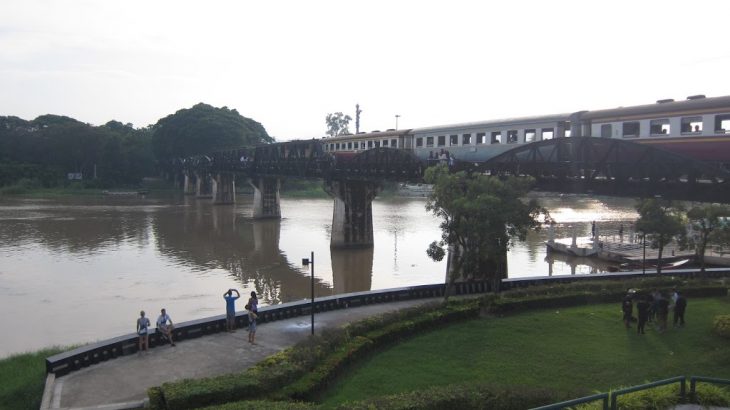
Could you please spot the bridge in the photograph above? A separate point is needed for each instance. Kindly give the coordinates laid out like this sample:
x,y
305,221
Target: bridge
x,y
580,164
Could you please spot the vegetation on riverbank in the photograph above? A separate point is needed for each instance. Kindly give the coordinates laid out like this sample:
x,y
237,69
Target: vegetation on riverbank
x,y
22,378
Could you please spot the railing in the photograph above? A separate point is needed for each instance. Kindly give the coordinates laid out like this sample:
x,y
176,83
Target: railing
x,y
87,355
614,395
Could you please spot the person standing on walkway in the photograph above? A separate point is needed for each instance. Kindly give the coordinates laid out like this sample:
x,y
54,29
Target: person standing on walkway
x,y
142,324
253,309
679,307
627,307
231,309
163,327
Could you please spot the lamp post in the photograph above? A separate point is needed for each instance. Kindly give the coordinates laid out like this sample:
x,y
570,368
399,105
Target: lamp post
x,y
396,121
643,245
310,262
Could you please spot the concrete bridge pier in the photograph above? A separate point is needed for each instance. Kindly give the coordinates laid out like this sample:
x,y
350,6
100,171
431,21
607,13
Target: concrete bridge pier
x,y
191,183
224,189
352,219
266,197
204,187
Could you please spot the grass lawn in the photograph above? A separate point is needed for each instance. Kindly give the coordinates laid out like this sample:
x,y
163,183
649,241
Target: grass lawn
x,y
22,378
577,350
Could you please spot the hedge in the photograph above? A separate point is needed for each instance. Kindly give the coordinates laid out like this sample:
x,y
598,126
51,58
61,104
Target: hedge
x,y
721,325
462,397
263,405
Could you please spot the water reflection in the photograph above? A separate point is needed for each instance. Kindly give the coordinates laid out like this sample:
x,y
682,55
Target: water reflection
x,y
352,269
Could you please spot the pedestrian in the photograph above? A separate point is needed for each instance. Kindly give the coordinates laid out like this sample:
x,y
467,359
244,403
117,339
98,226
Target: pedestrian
x,y
164,328
654,309
662,312
621,232
142,324
253,309
627,307
679,307
231,309
593,229
642,309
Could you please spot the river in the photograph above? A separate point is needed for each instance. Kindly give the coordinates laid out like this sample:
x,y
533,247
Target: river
x,y
76,270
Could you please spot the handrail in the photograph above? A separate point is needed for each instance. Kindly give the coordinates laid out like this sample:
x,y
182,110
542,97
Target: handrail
x,y
587,399
682,389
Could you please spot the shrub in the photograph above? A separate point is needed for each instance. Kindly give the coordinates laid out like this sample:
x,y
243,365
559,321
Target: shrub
x,y
263,405
157,399
711,395
656,398
721,325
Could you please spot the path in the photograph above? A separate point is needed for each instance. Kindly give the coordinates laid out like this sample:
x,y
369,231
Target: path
x,y
126,379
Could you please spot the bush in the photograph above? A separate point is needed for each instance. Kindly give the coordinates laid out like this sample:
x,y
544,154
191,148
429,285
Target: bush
x,y
263,405
721,325
711,395
462,397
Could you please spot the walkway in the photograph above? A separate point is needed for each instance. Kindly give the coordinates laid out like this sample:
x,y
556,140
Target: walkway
x,y
126,379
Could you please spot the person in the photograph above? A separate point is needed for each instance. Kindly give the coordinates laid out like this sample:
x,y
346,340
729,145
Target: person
x,y
662,312
231,309
679,307
621,232
642,309
253,309
627,307
593,229
654,309
144,339
164,328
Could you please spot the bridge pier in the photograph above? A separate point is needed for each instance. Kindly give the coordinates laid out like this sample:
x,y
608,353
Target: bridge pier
x,y
191,183
204,186
266,198
224,189
352,218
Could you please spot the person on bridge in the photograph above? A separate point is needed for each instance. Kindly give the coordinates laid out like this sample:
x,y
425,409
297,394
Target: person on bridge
x,y
164,328
253,309
231,309
142,324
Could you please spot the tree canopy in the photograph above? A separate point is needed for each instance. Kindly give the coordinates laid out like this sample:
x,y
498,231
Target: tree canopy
x,y
203,129
480,217
661,221
709,225
337,124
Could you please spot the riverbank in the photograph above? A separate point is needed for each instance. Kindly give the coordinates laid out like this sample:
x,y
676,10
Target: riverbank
x,y
22,378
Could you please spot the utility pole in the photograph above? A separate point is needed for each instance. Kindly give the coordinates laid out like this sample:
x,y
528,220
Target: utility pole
x,y
396,121
357,118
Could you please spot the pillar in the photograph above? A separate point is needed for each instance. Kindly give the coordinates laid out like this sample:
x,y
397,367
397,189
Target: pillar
x,y
224,189
204,187
266,198
191,183
352,269
352,218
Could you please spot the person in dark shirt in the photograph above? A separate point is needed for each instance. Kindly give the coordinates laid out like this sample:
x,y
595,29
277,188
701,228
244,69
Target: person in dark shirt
x,y
662,312
679,307
643,310
627,307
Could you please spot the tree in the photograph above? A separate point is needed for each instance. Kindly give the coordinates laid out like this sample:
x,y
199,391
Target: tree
x,y
661,222
480,216
203,129
337,124
708,223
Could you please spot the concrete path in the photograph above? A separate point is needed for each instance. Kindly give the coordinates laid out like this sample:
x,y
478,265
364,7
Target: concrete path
x,y
126,379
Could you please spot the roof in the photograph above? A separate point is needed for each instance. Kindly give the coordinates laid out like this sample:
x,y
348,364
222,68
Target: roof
x,y
377,134
497,123
661,108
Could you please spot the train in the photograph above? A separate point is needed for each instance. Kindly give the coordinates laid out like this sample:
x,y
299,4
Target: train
x,y
697,127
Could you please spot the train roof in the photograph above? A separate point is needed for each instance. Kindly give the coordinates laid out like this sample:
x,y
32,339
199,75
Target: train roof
x,y
694,103
501,123
374,134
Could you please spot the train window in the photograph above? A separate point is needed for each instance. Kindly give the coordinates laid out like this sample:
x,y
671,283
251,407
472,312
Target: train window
x,y
530,135
394,143
722,123
497,137
481,138
349,145
442,140
332,147
337,146
429,141
511,136
659,127
370,144
631,129
606,130
362,144
691,125
453,140
377,144
385,143
419,142
547,133
466,139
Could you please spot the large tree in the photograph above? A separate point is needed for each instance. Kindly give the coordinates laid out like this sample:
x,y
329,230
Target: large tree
x,y
661,222
203,129
337,124
480,216
709,225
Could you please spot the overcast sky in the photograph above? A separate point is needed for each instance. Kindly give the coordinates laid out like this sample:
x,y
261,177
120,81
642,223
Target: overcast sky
x,y
288,64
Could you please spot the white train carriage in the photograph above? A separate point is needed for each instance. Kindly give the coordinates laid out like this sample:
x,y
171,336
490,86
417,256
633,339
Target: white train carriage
x,y
354,143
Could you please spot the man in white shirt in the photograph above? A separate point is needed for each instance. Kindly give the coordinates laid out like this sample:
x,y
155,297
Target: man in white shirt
x,y
163,327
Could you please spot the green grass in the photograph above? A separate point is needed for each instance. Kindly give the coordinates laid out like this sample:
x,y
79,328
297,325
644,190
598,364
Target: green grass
x,y
581,349
22,378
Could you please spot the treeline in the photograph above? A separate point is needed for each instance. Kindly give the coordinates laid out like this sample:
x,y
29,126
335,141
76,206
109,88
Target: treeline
x,y
44,151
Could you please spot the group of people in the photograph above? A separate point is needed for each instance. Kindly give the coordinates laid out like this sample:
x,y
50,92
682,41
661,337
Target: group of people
x,y
653,307
165,325
443,157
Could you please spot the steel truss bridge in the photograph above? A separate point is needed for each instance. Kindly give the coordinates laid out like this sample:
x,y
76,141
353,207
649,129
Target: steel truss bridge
x,y
580,164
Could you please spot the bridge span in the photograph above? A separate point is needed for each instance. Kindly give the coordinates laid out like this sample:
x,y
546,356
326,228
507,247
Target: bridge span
x,y
578,164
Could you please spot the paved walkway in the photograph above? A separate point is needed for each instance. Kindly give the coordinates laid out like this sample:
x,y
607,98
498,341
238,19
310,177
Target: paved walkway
x,y
127,379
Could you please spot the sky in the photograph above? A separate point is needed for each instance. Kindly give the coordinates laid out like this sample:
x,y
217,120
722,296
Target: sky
x,y
287,64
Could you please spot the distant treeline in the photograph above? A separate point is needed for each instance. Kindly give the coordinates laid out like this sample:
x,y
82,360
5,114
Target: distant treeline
x,y
44,151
